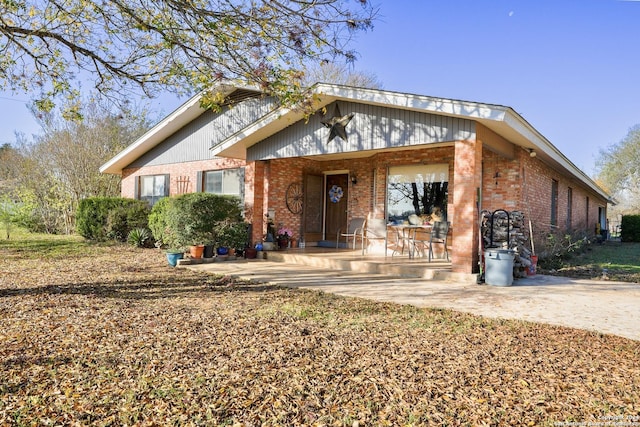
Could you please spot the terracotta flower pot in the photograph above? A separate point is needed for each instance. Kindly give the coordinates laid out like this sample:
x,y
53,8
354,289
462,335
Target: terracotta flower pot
x,y
196,251
250,253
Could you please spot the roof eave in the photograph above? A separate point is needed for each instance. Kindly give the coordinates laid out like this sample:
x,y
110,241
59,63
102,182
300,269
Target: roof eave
x,y
323,94
180,117
545,147
170,124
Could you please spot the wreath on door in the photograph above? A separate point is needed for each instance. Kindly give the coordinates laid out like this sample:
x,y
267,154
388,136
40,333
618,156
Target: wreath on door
x,y
335,194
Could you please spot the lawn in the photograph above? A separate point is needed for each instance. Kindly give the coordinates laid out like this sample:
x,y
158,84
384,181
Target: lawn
x,y
613,260
110,335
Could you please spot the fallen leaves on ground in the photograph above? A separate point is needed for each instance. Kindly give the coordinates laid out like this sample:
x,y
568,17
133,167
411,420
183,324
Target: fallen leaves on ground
x,y
119,338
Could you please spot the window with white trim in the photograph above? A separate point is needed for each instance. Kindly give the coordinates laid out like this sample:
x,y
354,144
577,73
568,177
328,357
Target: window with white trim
x,y
152,188
421,190
225,181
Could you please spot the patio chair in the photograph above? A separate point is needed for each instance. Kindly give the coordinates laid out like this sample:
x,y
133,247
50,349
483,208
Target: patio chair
x,y
439,231
354,231
375,230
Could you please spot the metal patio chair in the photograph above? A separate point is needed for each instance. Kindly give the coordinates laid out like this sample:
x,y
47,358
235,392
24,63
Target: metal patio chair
x,y
354,231
439,231
375,230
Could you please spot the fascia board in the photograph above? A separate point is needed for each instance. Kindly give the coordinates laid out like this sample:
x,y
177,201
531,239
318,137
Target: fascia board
x,y
427,104
327,93
183,115
542,144
170,124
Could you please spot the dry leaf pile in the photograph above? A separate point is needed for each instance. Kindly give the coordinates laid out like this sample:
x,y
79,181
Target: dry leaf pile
x,y
118,338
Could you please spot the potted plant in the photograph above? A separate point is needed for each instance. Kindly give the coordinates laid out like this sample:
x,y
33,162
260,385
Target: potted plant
x,y
284,235
232,235
209,249
197,241
196,250
250,252
173,255
269,238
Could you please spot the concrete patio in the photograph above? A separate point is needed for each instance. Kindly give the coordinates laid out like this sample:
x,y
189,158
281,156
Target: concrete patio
x,y
595,305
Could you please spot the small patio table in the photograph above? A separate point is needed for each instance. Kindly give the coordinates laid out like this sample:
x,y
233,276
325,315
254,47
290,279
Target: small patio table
x,y
407,234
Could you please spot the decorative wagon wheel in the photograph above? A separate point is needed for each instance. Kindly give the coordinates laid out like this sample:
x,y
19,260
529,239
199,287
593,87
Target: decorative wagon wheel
x,y
294,197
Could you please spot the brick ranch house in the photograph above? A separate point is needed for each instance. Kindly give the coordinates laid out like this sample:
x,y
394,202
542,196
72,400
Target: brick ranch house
x,y
361,155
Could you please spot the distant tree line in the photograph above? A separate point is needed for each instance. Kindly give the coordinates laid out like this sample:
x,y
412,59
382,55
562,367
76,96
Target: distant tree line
x,y
43,180
619,173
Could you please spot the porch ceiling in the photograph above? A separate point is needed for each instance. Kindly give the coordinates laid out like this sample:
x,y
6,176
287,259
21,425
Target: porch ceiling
x,y
370,153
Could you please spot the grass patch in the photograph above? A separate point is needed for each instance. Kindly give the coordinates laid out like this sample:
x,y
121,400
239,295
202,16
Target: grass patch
x,y
32,245
613,260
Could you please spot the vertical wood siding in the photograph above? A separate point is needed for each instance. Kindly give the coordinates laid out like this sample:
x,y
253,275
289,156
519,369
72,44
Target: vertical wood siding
x,y
193,141
371,128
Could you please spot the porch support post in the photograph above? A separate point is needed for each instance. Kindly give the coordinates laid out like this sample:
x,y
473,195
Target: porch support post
x,y
467,178
254,198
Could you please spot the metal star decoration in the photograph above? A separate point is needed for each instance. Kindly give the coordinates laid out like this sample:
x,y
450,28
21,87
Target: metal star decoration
x,y
337,124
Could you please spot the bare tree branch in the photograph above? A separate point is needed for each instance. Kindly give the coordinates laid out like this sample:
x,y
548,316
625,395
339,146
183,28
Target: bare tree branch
x,y
170,45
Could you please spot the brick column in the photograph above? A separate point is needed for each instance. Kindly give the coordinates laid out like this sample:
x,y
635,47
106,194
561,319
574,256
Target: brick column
x,y
254,196
467,178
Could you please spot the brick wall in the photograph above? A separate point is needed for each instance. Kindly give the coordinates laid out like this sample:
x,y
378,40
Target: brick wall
x,y
175,170
524,184
468,174
366,198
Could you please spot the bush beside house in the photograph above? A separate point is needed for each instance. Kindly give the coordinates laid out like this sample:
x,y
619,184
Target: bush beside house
x,y
192,218
630,228
105,218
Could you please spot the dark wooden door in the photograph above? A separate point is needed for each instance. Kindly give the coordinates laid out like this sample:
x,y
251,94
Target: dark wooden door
x,y
313,207
337,202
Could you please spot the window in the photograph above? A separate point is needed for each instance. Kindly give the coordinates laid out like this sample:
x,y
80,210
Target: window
x,y
586,214
152,188
226,181
569,207
417,190
554,203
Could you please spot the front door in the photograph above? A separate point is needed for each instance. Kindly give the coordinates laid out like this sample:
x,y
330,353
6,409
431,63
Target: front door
x,y
337,204
313,208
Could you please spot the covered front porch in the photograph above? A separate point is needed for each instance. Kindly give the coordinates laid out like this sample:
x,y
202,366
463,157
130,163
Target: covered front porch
x,y
371,189
347,260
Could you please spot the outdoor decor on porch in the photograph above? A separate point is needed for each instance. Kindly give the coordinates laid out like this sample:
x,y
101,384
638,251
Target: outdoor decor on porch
x,y
337,124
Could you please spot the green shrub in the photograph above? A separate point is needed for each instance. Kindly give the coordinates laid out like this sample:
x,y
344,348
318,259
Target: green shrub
x,y
559,247
139,237
103,218
233,235
158,220
191,218
630,228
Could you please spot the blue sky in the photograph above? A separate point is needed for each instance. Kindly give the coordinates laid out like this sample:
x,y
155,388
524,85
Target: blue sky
x,y
569,67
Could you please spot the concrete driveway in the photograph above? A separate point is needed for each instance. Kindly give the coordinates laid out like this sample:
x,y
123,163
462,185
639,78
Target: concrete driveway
x,y
601,306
